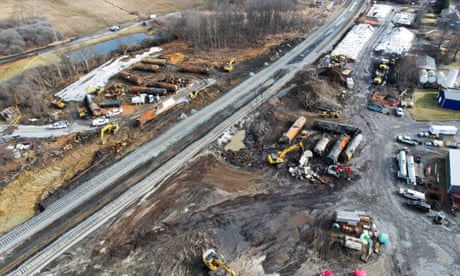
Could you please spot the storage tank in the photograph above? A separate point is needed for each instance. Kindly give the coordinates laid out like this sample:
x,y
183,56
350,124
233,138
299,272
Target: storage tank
x,y
431,76
114,103
148,90
130,78
320,147
146,67
352,146
402,172
451,78
189,68
335,127
289,135
92,106
338,147
441,78
423,76
169,86
156,61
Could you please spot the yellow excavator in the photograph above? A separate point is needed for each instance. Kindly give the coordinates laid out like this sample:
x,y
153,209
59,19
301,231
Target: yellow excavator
x,y
278,158
213,261
112,127
228,67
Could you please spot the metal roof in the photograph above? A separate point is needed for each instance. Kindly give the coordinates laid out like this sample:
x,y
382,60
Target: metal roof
x,y
425,62
452,94
454,167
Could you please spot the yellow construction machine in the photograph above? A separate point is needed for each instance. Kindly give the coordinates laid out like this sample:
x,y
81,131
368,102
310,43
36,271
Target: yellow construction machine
x,y
58,103
95,90
339,60
213,261
228,67
278,158
112,127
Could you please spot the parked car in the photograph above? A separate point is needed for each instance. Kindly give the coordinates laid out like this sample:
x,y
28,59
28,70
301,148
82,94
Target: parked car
x,y
438,143
452,144
428,143
100,122
411,194
422,206
399,112
113,112
59,124
423,134
115,28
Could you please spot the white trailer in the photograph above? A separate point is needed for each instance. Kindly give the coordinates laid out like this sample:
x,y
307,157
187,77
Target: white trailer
x,y
443,130
402,172
411,170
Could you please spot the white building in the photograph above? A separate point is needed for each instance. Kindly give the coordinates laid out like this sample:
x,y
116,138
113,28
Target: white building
x,y
453,172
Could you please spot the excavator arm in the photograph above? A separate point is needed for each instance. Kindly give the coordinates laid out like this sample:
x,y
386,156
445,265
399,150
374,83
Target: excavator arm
x,y
213,261
278,158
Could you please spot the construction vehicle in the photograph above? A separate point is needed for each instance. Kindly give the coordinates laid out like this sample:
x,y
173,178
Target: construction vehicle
x,y
278,158
192,95
58,103
112,127
213,261
339,60
228,67
83,112
328,112
94,90
337,171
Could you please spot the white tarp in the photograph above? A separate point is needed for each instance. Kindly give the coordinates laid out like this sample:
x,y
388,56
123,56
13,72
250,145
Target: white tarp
x,y
397,41
354,41
379,11
100,76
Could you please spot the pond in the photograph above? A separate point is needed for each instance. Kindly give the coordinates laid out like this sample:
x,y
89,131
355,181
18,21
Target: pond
x,y
108,46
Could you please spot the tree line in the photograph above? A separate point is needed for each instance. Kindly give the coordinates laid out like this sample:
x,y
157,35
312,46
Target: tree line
x,y
241,23
16,36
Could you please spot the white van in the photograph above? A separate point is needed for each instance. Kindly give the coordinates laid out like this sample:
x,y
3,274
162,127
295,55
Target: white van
x,y
411,194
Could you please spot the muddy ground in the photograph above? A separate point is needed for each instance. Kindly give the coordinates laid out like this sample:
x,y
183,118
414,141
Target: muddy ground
x,y
266,222
260,218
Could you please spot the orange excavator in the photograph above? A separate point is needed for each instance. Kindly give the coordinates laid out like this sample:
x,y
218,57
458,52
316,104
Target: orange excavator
x,y
213,261
338,170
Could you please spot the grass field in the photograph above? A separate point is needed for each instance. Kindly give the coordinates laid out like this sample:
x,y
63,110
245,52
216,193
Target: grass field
x,y
426,108
84,17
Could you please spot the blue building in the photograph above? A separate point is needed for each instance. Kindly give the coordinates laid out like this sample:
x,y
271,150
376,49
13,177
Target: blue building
x,y
449,98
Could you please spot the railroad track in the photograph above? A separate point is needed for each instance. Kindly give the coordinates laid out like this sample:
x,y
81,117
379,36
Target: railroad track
x,y
240,101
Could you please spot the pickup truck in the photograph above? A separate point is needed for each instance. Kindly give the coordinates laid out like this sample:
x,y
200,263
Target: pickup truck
x,y
375,108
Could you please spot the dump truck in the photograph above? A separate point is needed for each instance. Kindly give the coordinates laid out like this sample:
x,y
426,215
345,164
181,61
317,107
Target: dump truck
x,y
289,136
